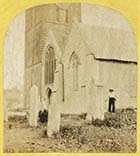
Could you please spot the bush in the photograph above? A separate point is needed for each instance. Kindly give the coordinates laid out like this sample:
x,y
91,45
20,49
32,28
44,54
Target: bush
x,y
98,122
43,116
121,118
83,116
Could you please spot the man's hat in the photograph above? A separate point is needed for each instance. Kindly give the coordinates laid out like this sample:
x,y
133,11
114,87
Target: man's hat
x,y
111,90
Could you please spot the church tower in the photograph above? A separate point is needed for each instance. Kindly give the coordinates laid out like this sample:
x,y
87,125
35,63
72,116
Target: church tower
x,y
39,21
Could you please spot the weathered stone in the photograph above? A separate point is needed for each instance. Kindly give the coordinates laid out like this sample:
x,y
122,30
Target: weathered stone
x,y
89,118
34,102
53,117
99,103
91,99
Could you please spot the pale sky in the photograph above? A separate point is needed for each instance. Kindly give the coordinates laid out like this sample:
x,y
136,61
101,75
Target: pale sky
x,y
14,53
103,16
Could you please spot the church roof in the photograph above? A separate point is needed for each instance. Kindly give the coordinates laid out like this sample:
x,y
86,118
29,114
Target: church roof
x,y
109,43
104,42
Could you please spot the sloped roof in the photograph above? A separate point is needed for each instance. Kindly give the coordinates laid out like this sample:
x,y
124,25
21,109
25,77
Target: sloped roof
x,y
109,43
104,42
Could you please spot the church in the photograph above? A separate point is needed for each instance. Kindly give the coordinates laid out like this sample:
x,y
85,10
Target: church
x,y
74,53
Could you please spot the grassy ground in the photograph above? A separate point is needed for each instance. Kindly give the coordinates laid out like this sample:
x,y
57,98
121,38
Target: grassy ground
x,y
117,133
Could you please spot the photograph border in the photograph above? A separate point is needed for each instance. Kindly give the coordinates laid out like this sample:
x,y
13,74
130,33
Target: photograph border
x,y
9,9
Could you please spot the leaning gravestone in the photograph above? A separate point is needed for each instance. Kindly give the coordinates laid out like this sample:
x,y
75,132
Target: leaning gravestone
x,y
34,102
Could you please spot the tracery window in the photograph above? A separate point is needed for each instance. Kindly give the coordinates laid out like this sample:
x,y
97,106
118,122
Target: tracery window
x,y
50,65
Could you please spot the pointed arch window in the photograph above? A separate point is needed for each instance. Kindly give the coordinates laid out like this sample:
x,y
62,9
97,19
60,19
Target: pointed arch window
x,y
74,65
50,65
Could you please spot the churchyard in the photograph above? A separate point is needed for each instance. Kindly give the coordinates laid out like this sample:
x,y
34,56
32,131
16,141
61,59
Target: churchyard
x,y
116,133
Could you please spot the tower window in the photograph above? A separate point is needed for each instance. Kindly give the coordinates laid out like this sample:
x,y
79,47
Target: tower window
x,y
50,65
62,15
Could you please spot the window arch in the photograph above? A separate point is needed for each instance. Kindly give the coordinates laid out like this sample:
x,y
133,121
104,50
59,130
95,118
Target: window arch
x,y
50,65
74,65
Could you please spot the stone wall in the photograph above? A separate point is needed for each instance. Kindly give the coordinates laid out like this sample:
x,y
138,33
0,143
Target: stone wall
x,y
122,77
33,76
39,21
53,13
75,101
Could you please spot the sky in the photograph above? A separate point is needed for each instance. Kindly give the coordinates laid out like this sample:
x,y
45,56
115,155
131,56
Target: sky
x,y
14,48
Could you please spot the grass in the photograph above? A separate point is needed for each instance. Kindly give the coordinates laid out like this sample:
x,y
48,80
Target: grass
x,y
117,133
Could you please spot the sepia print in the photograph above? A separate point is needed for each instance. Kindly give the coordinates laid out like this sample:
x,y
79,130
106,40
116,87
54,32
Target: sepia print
x,y
70,81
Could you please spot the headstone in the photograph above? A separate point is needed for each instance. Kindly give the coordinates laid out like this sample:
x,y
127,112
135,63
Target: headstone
x,y
106,104
55,104
89,118
53,117
99,104
90,100
34,102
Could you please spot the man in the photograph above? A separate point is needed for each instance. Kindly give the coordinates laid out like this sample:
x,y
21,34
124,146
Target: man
x,y
112,99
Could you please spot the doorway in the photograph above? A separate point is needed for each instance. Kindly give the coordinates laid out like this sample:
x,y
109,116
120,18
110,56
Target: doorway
x,y
49,94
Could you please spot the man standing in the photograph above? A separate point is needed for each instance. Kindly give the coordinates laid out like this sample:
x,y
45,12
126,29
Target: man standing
x,y
112,99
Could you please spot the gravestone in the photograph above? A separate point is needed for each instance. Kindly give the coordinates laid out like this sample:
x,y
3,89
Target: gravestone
x,y
89,118
53,117
55,102
53,120
90,100
99,104
34,102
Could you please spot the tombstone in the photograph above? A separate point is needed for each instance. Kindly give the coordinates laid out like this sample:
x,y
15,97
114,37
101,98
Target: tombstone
x,y
89,118
34,102
53,120
53,116
90,100
106,102
99,104
54,96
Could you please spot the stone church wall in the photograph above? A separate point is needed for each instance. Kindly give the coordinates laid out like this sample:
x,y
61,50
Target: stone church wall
x,y
33,75
39,21
122,77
